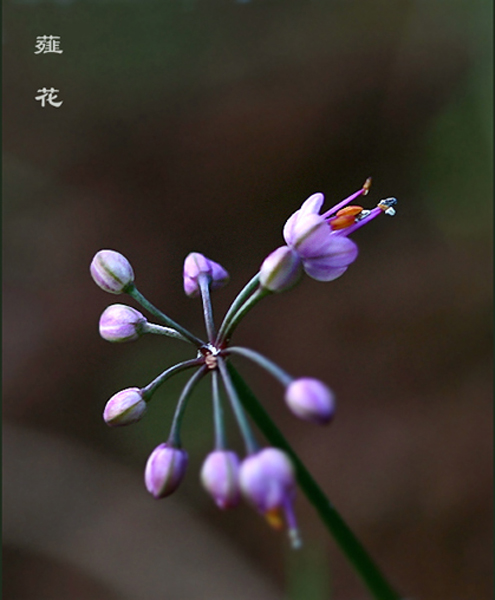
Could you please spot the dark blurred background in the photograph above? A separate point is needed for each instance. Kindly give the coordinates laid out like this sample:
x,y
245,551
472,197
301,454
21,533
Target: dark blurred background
x,y
202,125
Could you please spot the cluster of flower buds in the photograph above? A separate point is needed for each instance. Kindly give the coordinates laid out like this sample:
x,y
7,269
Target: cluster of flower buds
x,y
317,244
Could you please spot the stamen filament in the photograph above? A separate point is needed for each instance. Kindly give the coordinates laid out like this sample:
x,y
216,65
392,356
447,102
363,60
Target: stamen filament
x,y
362,192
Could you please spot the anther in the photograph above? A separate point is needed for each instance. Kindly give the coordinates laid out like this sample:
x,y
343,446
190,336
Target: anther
x,y
387,206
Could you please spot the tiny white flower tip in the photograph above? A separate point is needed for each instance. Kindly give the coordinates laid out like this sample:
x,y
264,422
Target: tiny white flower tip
x,y
124,408
111,271
311,400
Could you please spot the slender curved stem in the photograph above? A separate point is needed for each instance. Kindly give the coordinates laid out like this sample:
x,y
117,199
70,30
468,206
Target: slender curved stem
x,y
220,439
136,294
161,330
247,434
265,363
246,291
174,437
204,286
347,541
182,366
258,295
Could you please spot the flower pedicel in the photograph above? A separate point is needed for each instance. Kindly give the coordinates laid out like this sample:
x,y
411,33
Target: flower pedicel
x,y
317,244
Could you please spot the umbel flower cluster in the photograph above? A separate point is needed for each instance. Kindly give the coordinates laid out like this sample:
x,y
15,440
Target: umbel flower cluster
x,y
315,243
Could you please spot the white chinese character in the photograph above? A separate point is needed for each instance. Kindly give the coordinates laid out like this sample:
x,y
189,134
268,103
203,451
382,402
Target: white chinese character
x,y
48,95
48,43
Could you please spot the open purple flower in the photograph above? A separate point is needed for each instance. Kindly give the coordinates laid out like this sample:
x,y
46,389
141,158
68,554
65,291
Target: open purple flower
x,y
320,240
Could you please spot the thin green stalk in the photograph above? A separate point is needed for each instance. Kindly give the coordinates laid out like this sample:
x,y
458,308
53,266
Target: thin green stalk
x,y
246,291
136,294
161,330
258,295
220,439
347,541
265,363
174,437
204,286
247,434
182,366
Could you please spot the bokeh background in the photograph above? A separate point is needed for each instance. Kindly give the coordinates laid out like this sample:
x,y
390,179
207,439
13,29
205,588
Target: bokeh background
x,y
201,125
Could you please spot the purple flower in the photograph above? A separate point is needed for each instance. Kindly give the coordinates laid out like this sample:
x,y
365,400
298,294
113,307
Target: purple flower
x,y
125,407
165,470
121,323
196,264
111,271
267,481
220,477
324,255
310,399
280,270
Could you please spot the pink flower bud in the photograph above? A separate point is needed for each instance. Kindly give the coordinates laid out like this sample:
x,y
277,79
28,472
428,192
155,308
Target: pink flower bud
x,y
220,477
194,265
111,271
267,479
125,407
121,323
310,399
165,470
280,270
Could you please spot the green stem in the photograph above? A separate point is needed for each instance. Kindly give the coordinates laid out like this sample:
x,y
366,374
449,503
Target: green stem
x,y
349,544
246,291
220,439
182,366
258,295
174,437
204,286
136,294
161,330
247,434
265,363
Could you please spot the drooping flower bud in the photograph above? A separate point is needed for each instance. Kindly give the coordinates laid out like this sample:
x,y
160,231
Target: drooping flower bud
x,y
165,470
310,399
111,271
220,477
124,407
280,270
196,264
121,323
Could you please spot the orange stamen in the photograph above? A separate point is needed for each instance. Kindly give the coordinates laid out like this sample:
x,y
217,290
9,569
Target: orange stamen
x,y
274,518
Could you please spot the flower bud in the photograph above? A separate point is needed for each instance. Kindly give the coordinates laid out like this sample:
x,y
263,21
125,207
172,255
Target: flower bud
x,y
220,477
310,399
111,271
165,470
196,264
121,323
125,407
267,479
280,270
